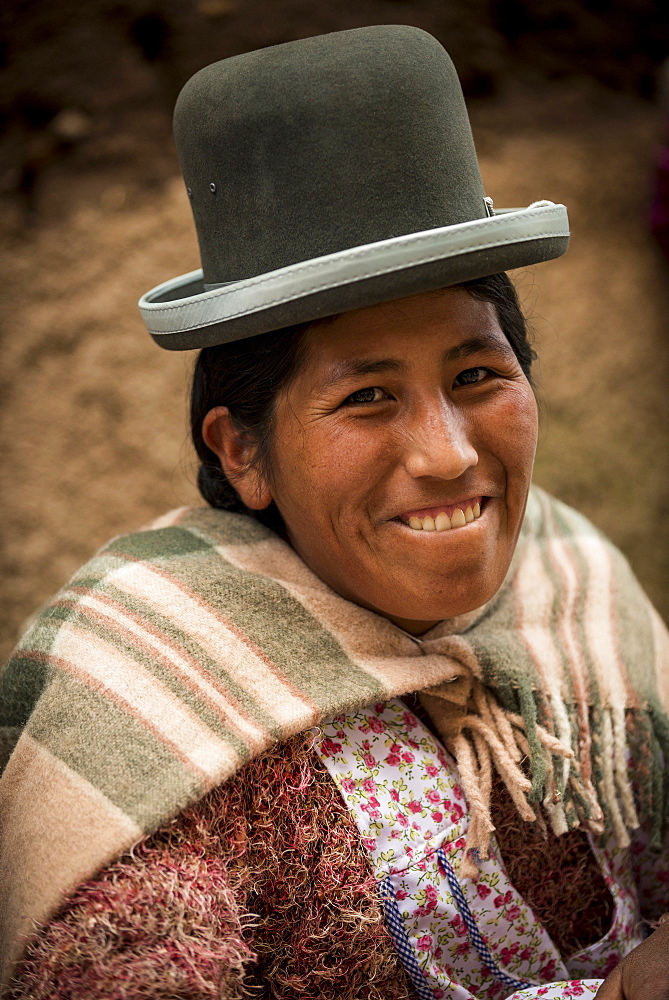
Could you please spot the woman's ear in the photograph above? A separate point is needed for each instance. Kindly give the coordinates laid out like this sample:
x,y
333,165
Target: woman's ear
x,y
236,453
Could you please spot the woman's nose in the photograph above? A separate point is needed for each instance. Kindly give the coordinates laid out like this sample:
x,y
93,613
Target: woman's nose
x,y
438,444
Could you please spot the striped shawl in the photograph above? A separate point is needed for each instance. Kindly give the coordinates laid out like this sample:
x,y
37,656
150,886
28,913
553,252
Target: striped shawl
x,y
180,652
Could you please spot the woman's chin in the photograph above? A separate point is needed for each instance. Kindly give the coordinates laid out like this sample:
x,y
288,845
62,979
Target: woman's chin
x,y
417,608
429,575
419,594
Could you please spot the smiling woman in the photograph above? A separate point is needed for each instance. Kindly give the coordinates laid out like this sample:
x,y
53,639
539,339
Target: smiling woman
x,y
445,439
382,720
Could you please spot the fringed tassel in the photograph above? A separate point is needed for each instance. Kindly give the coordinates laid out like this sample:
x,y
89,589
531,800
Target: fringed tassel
x,y
623,785
587,815
614,806
661,763
659,799
611,806
551,802
474,777
647,735
528,712
592,790
563,733
493,735
584,744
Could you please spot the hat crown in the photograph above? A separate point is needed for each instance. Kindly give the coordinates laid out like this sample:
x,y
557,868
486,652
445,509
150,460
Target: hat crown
x,y
315,146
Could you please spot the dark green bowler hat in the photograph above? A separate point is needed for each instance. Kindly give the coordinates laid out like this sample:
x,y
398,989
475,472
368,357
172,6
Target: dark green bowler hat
x,y
328,174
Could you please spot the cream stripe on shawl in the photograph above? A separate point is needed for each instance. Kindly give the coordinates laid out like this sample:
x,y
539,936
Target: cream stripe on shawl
x,y
113,614
219,637
127,685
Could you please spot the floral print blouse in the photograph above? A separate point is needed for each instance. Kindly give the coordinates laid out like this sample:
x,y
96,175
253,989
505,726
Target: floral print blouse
x,y
457,939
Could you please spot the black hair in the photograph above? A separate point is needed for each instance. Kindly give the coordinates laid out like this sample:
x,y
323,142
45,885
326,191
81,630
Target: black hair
x,y
247,376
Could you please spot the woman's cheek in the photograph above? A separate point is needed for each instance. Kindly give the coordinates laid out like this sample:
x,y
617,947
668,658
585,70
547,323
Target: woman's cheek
x,y
514,425
349,455
323,469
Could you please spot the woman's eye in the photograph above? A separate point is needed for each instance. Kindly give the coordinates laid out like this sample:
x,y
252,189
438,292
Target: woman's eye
x,y
371,395
470,376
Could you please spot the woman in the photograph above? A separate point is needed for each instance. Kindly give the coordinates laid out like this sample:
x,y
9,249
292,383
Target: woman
x,y
262,748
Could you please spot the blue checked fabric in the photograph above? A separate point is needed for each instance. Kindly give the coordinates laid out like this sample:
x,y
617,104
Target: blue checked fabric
x,y
402,942
472,928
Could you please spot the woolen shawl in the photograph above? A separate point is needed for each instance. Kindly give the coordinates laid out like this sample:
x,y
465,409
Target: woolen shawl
x,y
181,651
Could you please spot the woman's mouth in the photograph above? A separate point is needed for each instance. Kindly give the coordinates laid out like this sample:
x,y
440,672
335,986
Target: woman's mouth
x,y
445,517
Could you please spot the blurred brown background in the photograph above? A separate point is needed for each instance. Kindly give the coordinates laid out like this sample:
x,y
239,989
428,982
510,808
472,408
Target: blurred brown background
x,y
563,103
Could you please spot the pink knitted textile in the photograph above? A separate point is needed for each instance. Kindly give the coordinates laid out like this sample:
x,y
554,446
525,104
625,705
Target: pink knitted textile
x,y
263,889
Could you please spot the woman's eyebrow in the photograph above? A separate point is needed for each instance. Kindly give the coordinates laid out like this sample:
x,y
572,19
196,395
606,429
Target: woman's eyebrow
x,y
351,369
481,342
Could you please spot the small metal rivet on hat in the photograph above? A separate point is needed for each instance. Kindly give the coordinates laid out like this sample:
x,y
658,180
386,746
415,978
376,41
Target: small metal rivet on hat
x,y
212,188
489,206
189,192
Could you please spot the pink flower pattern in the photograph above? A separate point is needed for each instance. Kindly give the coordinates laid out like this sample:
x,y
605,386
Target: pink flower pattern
x,y
585,988
403,791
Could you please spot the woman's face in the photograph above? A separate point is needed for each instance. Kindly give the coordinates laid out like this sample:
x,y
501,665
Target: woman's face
x,y
414,412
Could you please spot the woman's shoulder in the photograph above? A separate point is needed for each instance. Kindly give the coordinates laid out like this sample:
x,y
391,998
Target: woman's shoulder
x,y
549,516
185,531
561,530
179,543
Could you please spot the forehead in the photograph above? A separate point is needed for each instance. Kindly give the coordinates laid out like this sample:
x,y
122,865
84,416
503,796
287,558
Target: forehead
x,y
446,322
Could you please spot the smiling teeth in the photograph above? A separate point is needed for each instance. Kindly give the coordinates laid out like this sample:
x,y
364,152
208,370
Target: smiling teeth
x,y
442,522
458,519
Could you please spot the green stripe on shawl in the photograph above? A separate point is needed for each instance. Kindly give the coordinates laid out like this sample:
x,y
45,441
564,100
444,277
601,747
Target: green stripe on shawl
x,y
160,546
26,677
308,655
128,759
181,642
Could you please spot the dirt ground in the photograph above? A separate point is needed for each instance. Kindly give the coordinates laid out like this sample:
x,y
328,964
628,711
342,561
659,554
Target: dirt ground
x,y
92,428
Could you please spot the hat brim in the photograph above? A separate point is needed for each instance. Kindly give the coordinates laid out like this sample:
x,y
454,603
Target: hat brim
x,y
181,314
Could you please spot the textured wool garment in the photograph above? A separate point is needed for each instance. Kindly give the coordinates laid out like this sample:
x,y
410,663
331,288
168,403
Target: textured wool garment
x,y
180,652
262,889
